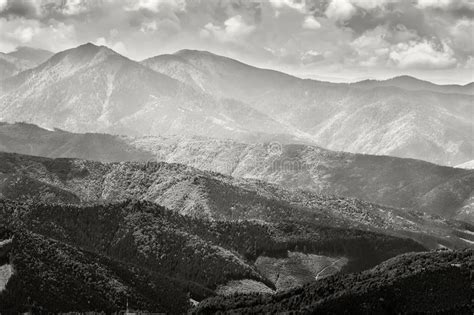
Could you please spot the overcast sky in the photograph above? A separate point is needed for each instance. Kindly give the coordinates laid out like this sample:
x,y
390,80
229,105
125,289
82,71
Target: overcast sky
x,y
337,40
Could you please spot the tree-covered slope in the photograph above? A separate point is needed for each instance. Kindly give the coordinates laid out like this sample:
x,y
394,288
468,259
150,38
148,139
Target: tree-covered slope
x,y
421,283
210,195
51,276
58,245
401,183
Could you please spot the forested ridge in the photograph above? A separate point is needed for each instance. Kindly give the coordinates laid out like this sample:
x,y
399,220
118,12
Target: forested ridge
x,y
51,276
421,283
210,195
198,254
192,230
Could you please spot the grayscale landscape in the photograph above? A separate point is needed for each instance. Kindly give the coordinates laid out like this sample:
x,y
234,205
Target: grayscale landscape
x,y
237,156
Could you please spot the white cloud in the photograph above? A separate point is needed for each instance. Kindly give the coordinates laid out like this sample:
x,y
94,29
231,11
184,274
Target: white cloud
x,y
462,36
433,3
370,4
371,48
400,48
233,30
445,4
27,32
116,46
340,10
311,56
298,5
422,55
73,7
470,65
19,30
155,5
311,23
3,4
149,27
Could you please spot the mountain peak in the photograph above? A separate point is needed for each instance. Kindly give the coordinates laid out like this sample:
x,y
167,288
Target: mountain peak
x,y
85,53
405,78
190,51
90,47
207,56
195,52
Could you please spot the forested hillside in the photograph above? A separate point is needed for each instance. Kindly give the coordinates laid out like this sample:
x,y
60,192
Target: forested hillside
x,y
400,183
413,283
105,253
51,276
214,196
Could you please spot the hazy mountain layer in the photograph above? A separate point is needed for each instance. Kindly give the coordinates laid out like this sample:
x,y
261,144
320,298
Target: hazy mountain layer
x,y
94,89
212,196
21,59
403,117
402,183
414,84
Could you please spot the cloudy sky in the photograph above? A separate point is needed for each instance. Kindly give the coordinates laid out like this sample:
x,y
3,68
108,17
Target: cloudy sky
x,y
337,40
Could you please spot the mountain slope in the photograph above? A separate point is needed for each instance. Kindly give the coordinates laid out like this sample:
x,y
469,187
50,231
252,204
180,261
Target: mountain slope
x,y
72,279
30,139
21,59
412,283
428,125
402,183
211,196
148,241
94,89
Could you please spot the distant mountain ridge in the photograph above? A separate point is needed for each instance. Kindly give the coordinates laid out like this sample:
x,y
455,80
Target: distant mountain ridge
x,y
21,59
420,121
414,84
94,89
401,183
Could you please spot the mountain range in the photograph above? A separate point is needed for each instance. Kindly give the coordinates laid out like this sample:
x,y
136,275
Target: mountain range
x,y
94,89
213,196
195,183
394,117
74,232
413,84
401,183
